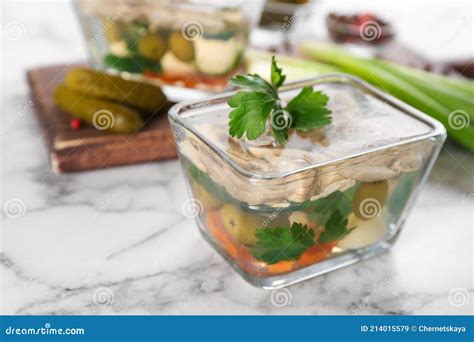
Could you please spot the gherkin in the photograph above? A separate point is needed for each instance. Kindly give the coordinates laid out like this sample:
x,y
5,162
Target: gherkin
x,y
103,115
183,49
152,46
142,96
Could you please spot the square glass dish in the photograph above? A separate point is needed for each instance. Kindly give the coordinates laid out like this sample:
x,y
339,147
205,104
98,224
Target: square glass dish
x,y
183,45
351,183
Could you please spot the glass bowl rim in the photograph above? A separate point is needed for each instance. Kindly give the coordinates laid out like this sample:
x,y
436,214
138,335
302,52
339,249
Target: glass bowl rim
x,y
437,129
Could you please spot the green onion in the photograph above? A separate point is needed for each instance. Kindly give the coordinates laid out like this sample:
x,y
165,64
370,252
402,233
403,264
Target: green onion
x,y
443,92
462,85
435,95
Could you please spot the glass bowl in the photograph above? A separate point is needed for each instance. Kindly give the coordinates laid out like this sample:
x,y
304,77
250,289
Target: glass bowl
x,y
350,185
187,44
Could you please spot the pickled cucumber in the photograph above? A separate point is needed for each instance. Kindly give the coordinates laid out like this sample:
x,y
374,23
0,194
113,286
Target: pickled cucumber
x,y
142,96
183,49
152,46
369,199
103,115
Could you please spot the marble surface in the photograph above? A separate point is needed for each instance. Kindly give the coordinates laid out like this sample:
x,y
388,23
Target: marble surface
x,y
116,241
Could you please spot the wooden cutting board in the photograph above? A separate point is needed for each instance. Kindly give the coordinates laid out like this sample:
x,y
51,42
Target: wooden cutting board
x,y
89,148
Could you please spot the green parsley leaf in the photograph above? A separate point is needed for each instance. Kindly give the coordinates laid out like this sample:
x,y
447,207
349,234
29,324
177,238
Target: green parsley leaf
x,y
335,228
253,107
308,110
276,74
280,135
250,114
280,243
303,234
254,83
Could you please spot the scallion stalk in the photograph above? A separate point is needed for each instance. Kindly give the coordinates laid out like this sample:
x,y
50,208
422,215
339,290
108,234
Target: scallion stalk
x,y
437,98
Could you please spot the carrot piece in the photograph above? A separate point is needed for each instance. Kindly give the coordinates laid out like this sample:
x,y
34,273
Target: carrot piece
x,y
218,232
315,254
237,251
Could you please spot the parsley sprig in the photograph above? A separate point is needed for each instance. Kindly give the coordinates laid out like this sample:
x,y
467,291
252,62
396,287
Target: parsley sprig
x,y
335,229
260,102
280,243
321,209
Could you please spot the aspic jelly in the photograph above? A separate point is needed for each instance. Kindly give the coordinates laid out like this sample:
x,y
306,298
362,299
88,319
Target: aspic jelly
x,y
326,198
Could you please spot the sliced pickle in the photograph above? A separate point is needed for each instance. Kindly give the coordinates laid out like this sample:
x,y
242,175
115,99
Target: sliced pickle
x,y
104,115
152,46
369,199
143,96
183,49
241,225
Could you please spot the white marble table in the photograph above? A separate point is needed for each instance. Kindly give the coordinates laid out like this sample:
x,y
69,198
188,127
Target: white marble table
x,y
116,242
